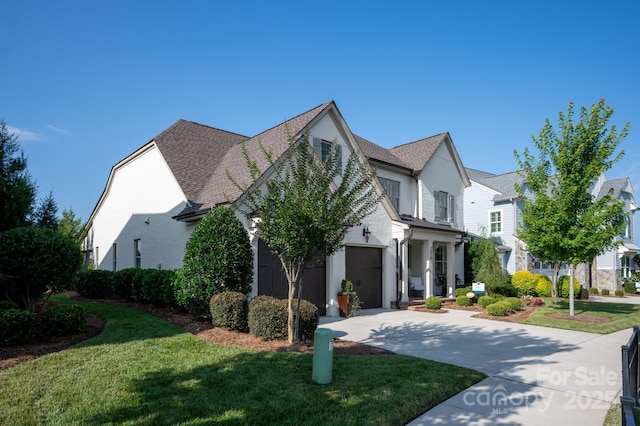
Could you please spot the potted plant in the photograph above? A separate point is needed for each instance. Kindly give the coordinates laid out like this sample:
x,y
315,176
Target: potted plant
x,y
348,301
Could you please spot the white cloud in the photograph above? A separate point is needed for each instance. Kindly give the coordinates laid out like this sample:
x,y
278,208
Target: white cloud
x,y
23,135
57,129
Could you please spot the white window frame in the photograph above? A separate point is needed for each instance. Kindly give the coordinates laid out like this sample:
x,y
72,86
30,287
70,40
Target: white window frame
x,y
322,148
500,222
625,264
626,232
137,253
446,212
392,188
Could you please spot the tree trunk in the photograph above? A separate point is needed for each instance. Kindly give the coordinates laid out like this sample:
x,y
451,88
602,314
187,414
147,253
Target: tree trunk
x,y
555,268
290,323
571,310
292,273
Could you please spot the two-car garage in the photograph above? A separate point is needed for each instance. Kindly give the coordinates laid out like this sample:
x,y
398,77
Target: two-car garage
x,y
363,268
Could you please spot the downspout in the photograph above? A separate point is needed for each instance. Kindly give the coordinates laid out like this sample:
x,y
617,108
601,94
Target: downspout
x,y
399,262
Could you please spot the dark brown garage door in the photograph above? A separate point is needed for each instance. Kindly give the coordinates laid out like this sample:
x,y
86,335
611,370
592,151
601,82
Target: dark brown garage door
x,y
272,282
364,270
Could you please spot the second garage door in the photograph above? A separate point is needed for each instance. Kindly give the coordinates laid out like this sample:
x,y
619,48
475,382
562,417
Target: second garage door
x,y
272,282
364,270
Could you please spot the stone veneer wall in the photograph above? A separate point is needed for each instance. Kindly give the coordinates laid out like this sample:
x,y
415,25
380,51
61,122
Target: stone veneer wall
x,y
522,258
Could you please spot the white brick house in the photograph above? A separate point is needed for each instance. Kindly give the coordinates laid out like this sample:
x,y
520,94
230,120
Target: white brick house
x,y
154,197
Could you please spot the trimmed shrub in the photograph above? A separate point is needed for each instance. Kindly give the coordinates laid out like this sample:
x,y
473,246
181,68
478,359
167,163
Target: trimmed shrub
x,y
524,283
630,286
485,301
433,302
564,284
95,283
619,292
514,302
43,260
593,290
507,290
8,304
463,300
217,258
268,317
309,318
498,309
605,291
463,291
230,310
543,285
15,325
155,286
61,320
122,282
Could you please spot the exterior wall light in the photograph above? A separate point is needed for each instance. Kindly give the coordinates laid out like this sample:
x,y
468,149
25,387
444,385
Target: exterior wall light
x,y
366,233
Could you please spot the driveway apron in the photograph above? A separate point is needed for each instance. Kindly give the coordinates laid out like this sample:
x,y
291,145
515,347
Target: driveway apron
x,y
536,375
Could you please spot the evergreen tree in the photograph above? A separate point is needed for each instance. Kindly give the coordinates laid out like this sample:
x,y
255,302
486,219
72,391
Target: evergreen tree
x,y
17,190
70,226
46,214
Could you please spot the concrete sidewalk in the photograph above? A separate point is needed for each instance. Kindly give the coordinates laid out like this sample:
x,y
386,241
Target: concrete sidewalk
x,y
537,375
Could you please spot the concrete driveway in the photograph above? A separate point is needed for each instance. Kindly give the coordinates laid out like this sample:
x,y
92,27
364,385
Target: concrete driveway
x,y
537,375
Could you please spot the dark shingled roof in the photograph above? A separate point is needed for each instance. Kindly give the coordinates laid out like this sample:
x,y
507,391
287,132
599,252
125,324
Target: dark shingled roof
x,y
215,187
200,157
417,154
377,153
193,152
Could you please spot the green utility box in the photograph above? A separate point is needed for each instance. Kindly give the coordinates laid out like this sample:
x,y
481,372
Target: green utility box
x,y
322,356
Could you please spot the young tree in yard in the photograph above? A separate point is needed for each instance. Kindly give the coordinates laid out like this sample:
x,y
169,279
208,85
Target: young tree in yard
x,y
70,226
305,209
17,190
562,221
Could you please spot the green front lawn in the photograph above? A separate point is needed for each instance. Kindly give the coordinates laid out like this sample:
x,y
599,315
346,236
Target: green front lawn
x,y
143,370
622,315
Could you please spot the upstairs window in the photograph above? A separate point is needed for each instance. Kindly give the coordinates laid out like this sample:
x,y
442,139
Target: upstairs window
x,y
323,148
626,232
444,207
495,222
392,188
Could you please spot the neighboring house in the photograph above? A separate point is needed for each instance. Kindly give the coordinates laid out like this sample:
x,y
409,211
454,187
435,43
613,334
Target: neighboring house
x,y
155,196
493,206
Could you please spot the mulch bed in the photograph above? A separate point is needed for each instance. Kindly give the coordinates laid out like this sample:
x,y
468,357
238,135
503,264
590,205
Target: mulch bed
x,y
39,344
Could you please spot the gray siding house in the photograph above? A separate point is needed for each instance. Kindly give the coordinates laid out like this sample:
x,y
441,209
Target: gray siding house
x,y
492,207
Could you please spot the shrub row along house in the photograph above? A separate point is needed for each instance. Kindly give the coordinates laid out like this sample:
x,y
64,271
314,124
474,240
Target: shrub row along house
x,y
492,204
411,244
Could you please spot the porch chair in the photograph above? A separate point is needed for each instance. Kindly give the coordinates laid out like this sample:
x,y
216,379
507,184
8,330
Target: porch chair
x,y
416,287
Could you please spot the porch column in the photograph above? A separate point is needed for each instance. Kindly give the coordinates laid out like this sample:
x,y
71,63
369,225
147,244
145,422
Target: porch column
x,y
427,273
451,270
404,262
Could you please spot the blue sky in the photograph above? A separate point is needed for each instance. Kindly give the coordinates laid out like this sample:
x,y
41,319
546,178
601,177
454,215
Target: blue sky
x,y
84,84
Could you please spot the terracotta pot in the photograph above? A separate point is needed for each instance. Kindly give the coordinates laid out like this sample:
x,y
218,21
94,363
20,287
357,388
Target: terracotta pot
x,y
343,304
